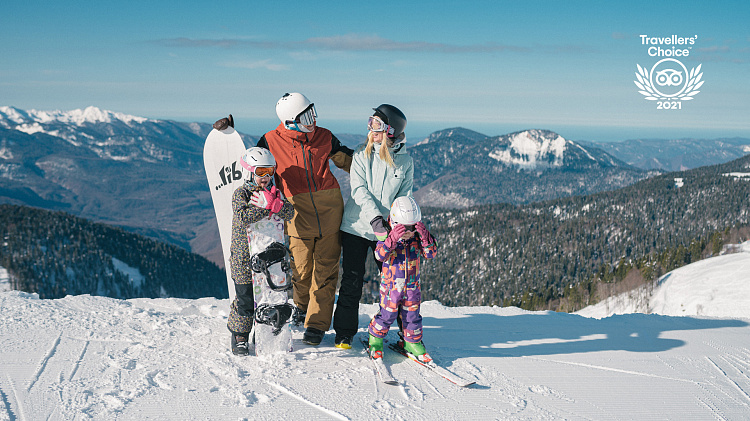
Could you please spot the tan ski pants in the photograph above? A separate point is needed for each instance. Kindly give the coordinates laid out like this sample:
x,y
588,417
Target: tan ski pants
x,y
316,273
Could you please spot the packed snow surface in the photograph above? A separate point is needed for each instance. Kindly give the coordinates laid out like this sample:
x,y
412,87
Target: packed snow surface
x,y
87,357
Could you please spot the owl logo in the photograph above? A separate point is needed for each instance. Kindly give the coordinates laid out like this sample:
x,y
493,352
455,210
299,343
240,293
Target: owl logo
x,y
668,80
668,77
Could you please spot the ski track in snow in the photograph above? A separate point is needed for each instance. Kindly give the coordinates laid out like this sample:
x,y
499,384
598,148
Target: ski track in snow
x,y
43,363
325,411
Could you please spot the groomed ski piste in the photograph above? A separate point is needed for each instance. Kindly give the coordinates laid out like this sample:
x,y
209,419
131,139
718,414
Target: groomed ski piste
x,y
85,357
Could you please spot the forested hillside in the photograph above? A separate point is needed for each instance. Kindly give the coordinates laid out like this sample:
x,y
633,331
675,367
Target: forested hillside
x,y
499,254
56,254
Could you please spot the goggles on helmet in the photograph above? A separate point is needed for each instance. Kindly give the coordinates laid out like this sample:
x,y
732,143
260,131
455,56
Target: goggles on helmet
x,y
264,171
375,124
307,117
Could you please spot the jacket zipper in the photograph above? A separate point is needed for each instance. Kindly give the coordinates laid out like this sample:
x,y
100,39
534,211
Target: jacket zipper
x,y
308,173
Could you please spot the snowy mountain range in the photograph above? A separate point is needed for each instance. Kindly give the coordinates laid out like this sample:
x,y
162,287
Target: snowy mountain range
x,y
169,359
675,154
458,168
142,174
147,175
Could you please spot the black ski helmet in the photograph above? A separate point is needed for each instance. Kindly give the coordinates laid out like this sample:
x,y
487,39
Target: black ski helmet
x,y
393,117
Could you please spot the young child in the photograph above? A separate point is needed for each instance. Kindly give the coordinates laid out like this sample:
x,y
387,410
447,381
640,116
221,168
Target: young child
x,y
257,199
400,292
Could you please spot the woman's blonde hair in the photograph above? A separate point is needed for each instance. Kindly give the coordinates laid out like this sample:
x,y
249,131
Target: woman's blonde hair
x,y
384,153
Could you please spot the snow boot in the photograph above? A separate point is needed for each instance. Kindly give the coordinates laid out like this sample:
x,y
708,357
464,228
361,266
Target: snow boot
x,y
313,336
343,342
418,351
376,347
239,345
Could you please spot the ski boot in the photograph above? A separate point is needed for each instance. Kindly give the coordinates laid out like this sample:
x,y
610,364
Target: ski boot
x,y
313,336
239,345
418,351
343,342
376,347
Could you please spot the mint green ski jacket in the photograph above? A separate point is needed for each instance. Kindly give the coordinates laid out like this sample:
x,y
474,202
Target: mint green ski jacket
x,y
374,186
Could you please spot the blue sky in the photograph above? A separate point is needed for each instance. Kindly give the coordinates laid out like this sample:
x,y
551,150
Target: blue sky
x,y
491,66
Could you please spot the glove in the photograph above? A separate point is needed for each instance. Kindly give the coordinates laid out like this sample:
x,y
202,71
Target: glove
x,y
267,199
224,123
379,228
396,233
423,233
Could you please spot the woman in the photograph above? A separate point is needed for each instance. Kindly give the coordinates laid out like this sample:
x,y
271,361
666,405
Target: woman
x,y
381,171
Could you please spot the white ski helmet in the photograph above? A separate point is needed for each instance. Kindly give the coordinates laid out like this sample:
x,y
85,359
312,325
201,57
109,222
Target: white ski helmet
x,y
405,211
296,111
257,157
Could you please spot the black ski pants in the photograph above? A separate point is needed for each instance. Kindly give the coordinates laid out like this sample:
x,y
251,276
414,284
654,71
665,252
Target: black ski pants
x,y
355,252
245,299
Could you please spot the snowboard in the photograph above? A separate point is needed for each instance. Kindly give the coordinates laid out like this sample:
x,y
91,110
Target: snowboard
x,y
270,339
221,155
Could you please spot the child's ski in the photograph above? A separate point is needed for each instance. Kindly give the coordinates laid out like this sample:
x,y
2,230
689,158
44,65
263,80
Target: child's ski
x,y
442,372
383,373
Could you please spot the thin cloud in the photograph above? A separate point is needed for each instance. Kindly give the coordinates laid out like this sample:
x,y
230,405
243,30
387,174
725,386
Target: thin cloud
x,y
372,43
349,42
722,54
357,42
623,35
259,64
216,43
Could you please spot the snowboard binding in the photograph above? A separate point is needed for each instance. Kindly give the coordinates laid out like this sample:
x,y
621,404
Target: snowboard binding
x,y
273,254
274,315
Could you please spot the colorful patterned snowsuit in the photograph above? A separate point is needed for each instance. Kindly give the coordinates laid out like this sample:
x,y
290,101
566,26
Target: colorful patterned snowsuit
x,y
240,320
400,289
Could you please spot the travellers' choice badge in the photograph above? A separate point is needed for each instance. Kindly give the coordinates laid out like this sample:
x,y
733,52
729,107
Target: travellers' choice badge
x,y
668,82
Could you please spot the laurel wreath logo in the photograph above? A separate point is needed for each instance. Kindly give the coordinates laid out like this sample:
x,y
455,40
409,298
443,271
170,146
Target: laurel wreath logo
x,y
647,89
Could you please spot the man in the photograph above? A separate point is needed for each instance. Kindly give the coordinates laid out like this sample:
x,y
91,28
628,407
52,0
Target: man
x,y
302,150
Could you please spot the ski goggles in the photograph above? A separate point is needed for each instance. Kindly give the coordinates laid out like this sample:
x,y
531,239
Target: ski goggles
x,y
375,124
307,117
264,171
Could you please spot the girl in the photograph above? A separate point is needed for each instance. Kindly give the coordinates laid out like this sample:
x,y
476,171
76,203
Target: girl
x,y
256,200
400,292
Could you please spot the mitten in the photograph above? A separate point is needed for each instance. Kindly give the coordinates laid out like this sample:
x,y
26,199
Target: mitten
x,y
274,201
423,233
378,228
266,199
224,123
396,233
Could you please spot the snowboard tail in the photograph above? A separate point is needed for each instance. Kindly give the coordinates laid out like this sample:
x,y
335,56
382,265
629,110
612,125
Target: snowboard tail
x,y
221,154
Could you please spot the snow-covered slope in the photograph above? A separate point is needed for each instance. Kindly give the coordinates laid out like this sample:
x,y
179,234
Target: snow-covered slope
x,y
87,357
716,287
539,149
530,149
27,119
